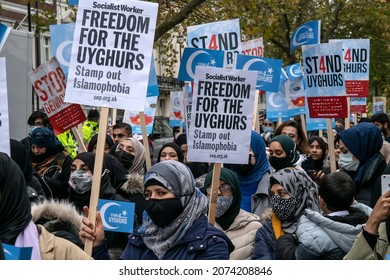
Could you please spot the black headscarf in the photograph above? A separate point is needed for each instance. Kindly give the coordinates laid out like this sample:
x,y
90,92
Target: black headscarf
x,y
175,147
22,157
231,178
107,191
15,208
93,142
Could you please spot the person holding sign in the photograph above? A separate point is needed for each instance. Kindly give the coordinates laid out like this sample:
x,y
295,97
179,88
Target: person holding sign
x,y
16,226
174,227
80,182
50,162
239,225
294,130
360,146
292,191
254,177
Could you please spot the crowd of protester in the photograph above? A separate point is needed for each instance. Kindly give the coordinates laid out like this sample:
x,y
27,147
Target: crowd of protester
x,y
286,202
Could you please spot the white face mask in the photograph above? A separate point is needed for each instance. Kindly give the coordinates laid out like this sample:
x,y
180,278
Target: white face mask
x,y
347,162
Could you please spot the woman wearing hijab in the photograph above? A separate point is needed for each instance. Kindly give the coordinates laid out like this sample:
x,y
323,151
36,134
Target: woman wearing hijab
x,y
17,227
360,156
170,151
294,130
50,162
80,182
283,153
254,177
22,158
239,225
174,227
93,144
292,191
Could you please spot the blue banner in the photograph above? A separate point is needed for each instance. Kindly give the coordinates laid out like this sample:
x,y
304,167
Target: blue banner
x,y
193,57
308,33
73,2
16,253
152,83
276,104
269,70
117,215
61,44
4,32
295,91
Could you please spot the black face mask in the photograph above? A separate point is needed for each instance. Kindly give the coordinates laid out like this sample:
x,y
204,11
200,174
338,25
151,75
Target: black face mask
x,y
244,169
125,158
279,163
164,211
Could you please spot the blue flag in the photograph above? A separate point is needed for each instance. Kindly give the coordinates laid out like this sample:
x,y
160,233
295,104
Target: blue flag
x,y
276,104
308,33
61,44
193,57
73,2
17,253
269,70
4,32
117,215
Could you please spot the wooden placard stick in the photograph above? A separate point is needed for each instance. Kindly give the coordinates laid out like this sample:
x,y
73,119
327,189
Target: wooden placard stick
x,y
145,140
214,192
347,122
97,174
79,139
332,156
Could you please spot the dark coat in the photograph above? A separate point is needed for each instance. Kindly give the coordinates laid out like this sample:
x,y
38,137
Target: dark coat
x,y
203,242
265,243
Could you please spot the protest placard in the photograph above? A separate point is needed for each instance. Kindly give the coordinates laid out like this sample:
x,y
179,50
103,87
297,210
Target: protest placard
x,y
221,35
111,54
253,47
110,64
358,105
4,117
221,118
356,63
50,84
324,77
176,112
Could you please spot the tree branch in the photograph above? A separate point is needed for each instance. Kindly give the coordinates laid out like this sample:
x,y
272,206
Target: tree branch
x,y
177,18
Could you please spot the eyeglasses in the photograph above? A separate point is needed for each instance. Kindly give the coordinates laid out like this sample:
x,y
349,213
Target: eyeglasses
x,y
268,124
224,189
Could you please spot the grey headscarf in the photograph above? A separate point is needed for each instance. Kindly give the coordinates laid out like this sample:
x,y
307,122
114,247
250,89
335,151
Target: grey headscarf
x,y
139,156
178,179
299,185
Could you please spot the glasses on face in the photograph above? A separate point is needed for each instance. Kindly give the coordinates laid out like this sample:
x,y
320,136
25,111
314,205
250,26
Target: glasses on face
x,y
224,189
268,124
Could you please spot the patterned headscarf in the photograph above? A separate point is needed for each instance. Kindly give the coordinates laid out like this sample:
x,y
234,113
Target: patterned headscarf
x,y
299,185
139,156
178,179
229,177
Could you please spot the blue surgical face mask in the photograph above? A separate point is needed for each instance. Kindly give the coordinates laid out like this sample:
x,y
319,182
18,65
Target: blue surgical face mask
x,y
268,129
347,162
31,128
